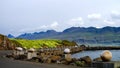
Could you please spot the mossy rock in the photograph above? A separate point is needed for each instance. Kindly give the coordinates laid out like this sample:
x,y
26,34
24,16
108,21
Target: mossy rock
x,y
80,63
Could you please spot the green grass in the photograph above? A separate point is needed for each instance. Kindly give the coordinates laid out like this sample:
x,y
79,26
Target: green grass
x,y
36,43
42,43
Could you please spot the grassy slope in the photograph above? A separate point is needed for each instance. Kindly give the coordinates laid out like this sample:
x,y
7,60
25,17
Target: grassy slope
x,y
37,43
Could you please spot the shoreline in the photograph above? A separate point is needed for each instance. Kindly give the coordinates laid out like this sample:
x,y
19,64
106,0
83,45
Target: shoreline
x,y
10,63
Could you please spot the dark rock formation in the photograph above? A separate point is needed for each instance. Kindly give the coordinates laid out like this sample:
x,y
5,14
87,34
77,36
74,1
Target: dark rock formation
x,y
97,59
87,59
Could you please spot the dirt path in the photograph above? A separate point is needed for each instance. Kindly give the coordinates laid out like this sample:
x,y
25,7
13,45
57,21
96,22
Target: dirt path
x,y
10,63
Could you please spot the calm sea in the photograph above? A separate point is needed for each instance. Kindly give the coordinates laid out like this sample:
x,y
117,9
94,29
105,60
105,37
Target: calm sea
x,y
95,54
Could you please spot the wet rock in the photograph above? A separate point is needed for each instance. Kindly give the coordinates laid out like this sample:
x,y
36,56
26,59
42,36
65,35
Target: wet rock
x,y
58,62
73,64
86,59
97,59
48,60
74,60
55,58
64,61
35,59
80,63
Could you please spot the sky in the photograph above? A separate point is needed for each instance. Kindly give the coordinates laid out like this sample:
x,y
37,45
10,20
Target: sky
x,y
29,16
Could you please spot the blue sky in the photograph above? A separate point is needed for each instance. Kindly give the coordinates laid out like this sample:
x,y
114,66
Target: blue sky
x,y
28,16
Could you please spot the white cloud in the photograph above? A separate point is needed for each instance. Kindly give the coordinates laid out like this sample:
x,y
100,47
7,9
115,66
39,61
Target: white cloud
x,y
109,22
76,22
115,14
53,25
77,19
94,16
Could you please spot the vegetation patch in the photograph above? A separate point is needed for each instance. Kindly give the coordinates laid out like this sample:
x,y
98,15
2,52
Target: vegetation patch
x,y
46,43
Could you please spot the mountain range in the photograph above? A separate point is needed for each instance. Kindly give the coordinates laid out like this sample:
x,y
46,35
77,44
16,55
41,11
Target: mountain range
x,y
79,34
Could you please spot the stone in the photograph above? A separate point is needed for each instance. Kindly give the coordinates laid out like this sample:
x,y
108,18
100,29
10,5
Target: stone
x,y
55,58
80,63
18,51
74,59
87,59
31,50
30,55
48,60
97,59
19,48
67,50
106,55
68,57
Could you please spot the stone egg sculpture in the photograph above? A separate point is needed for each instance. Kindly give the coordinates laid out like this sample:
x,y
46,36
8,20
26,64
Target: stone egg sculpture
x,y
76,46
106,55
67,50
19,48
31,50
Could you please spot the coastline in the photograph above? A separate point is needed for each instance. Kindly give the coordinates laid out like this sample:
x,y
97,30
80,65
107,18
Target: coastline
x,y
10,63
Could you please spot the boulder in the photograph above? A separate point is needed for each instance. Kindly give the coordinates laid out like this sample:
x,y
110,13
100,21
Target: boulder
x,y
80,63
86,59
55,58
106,55
68,57
48,60
74,59
97,59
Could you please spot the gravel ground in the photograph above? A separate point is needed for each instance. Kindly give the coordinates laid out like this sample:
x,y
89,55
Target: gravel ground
x,y
10,63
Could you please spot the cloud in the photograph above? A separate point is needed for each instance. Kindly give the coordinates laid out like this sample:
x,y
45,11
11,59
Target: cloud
x,y
94,16
53,25
115,15
76,22
77,19
109,22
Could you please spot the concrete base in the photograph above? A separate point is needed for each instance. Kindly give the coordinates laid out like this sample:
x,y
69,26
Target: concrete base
x,y
111,64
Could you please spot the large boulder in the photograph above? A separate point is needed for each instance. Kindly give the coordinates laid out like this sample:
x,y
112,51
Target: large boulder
x,y
106,55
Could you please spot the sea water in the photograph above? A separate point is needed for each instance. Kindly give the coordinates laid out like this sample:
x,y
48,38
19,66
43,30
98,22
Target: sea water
x,y
96,53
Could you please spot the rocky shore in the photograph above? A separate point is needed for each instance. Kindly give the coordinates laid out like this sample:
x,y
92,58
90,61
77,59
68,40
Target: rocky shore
x,y
11,63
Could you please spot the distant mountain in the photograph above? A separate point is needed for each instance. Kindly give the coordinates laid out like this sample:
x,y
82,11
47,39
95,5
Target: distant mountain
x,y
80,34
10,36
39,35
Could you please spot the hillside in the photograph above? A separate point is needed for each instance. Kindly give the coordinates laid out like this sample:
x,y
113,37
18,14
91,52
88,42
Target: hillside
x,y
79,35
43,43
5,43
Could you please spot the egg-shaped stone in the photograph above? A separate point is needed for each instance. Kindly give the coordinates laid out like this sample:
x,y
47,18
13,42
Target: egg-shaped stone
x,y
19,48
66,50
31,49
106,55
